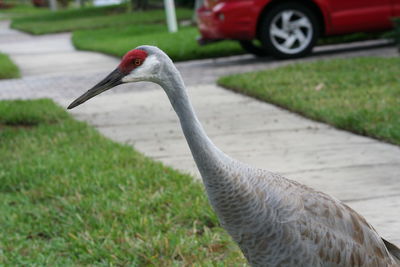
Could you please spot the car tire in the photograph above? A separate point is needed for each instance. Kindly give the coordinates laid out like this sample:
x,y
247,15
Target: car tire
x,y
289,30
251,47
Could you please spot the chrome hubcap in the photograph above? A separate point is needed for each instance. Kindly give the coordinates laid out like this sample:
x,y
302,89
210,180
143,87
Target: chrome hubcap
x,y
291,31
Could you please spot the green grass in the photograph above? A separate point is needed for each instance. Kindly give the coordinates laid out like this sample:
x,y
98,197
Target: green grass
x,y
361,95
19,10
91,18
30,113
179,46
8,69
71,197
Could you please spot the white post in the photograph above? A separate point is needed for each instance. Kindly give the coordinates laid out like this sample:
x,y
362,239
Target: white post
x,y
53,5
171,16
197,5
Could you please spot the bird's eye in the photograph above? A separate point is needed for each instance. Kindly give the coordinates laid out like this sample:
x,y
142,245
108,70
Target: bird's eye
x,y
138,62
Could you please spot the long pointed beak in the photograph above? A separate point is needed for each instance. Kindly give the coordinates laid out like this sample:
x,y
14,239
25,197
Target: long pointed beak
x,y
112,80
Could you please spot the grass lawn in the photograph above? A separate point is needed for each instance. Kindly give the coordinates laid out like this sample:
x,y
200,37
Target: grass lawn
x,y
19,10
91,18
361,95
70,197
179,46
8,69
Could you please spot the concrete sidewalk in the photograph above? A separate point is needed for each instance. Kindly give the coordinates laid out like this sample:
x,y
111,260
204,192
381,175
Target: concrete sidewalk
x,y
49,55
363,172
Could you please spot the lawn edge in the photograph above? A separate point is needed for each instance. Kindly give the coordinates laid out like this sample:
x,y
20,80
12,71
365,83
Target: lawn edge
x,y
301,113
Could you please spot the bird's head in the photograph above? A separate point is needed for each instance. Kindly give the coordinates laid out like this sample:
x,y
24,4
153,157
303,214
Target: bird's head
x,y
143,63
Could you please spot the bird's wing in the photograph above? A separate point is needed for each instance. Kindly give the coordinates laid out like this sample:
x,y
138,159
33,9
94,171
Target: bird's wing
x,y
337,233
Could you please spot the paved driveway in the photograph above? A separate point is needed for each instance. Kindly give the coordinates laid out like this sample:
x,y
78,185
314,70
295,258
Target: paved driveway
x,y
361,171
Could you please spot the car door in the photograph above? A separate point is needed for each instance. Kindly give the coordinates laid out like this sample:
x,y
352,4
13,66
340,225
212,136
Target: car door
x,y
360,15
396,8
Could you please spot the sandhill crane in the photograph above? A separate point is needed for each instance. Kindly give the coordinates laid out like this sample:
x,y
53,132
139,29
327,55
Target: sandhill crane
x,y
274,220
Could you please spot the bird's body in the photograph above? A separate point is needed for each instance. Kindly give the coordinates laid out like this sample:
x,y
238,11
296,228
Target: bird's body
x,y
278,222
274,220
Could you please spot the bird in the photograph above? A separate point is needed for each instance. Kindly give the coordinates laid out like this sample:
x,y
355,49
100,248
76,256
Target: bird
x,y
274,220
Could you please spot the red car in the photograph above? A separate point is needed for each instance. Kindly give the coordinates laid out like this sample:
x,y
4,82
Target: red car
x,y
287,29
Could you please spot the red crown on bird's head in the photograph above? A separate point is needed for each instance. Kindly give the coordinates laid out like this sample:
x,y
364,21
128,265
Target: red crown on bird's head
x,y
132,60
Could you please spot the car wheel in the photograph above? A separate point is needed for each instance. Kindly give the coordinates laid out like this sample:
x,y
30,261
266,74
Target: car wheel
x,y
289,30
254,48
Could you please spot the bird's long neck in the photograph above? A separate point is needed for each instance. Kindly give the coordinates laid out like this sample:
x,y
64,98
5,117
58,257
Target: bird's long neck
x,y
234,189
206,155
